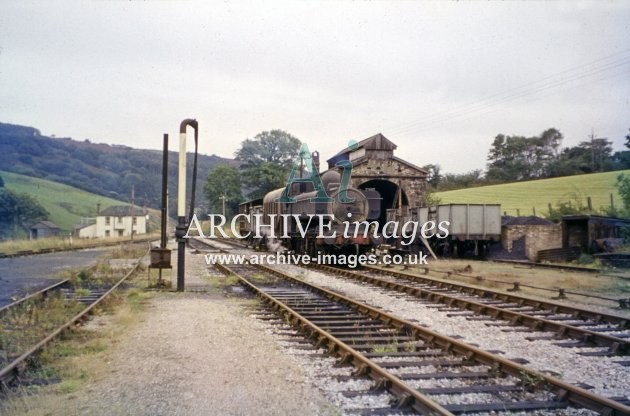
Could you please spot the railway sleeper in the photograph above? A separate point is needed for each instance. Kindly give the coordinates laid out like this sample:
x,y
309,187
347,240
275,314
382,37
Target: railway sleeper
x,y
506,406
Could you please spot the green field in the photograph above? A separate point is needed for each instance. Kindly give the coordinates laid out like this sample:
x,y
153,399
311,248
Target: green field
x,y
65,204
524,197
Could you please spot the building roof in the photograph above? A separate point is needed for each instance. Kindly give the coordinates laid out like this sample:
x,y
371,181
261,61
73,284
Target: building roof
x,y
122,211
591,216
82,226
45,225
376,142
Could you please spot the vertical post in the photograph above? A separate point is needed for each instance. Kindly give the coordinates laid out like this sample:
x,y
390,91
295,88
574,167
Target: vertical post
x,y
181,210
182,225
133,194
589,203
164,190
222,198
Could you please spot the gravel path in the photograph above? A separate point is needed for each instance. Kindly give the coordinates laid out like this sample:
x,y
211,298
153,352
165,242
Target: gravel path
x,y
200,353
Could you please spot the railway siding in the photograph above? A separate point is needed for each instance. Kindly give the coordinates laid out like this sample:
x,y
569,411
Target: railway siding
x,y
605,375
579,313
429,339
565,321
32,322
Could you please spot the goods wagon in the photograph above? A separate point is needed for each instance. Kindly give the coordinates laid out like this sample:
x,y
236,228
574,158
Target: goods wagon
x,y
471,227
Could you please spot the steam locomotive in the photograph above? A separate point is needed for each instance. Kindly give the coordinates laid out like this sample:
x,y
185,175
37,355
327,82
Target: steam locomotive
x,y
298,225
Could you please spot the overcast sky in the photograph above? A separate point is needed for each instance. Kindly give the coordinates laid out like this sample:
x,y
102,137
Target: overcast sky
x,y
440,79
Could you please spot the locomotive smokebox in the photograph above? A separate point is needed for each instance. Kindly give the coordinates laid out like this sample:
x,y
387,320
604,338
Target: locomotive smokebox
x,y
357,210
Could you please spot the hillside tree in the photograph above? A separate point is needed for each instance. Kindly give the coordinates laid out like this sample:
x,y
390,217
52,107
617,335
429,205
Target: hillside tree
x,y
266,161
599,151
623,187
469,179
223,182
435,177
515,158
18,211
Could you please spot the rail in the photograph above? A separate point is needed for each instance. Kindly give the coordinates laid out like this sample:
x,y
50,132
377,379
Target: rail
x,y
616,345
12,368
571,394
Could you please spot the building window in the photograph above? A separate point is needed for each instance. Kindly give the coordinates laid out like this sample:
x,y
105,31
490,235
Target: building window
x,y
107,220
106,233
120,233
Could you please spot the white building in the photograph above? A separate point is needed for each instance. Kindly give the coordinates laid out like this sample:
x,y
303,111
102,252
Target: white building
x,y
86,229
116,221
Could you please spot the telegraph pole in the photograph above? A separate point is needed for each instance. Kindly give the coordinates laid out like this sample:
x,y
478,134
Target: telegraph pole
x,y
223,199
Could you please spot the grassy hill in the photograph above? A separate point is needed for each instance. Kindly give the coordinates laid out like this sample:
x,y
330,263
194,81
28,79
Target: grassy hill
x,y
530,195
65,204
103,169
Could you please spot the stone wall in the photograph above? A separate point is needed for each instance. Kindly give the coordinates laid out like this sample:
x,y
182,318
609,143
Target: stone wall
x,y
537,237
412,181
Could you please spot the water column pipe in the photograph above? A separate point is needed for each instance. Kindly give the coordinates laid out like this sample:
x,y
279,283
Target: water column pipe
x,y
163,220
182,220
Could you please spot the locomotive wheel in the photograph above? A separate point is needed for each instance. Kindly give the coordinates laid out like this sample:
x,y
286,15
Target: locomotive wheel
x,y
311,247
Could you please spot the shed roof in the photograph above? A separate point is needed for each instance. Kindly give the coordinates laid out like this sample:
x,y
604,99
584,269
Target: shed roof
x,y
45,225
376,142
82,226
594,217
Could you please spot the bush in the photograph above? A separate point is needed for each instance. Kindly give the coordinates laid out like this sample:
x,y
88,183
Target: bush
x,y
585,259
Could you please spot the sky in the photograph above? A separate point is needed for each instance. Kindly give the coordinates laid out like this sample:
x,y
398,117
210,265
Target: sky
x,y
439,79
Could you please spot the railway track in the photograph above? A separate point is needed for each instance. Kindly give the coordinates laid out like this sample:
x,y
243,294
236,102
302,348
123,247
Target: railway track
x,y
588,328
28,317
526,263
423,371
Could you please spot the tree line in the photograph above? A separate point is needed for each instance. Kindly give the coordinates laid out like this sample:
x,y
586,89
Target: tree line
x,y
519,158
18,211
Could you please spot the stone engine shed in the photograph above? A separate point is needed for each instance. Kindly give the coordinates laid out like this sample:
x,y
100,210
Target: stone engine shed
x,y
375,166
